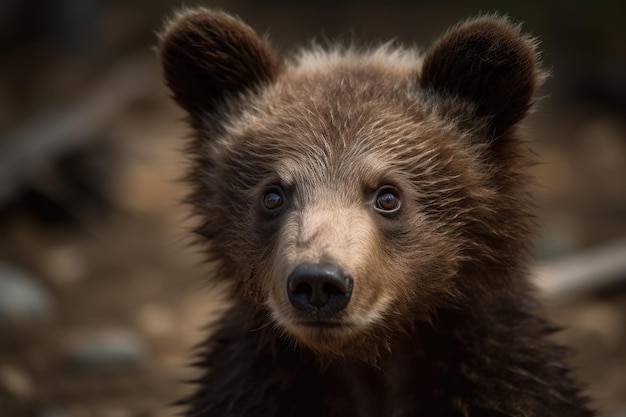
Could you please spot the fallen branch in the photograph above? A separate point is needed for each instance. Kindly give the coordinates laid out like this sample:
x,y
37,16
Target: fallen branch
x,y
584,272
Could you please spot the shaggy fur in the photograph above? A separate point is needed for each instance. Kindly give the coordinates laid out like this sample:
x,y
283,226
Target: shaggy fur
x,y
441,321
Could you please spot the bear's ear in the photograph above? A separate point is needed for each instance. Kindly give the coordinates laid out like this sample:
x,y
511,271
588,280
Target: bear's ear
x,y
209,56
489,63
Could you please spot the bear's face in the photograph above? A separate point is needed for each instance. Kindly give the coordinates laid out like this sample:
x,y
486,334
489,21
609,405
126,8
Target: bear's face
x,y
349,193
341,183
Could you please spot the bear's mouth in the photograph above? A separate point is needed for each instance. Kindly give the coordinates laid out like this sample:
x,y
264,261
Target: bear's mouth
x,y
324,336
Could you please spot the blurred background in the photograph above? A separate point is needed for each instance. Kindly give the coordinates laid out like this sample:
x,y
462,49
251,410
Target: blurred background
x,y
101,298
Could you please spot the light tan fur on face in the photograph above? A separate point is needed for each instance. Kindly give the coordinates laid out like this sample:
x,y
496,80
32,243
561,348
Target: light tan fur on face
x,y
330,231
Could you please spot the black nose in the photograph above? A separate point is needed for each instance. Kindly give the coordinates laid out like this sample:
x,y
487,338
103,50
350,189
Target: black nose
x,y
323,287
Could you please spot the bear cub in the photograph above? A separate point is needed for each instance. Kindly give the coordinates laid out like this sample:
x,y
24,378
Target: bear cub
x,y
370,209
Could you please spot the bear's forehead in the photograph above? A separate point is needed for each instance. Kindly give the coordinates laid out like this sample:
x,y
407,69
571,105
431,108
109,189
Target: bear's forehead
x,y
350,119
333,143
340,106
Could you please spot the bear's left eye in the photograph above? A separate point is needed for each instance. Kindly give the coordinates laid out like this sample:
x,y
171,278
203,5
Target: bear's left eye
x,y
272,200
387,200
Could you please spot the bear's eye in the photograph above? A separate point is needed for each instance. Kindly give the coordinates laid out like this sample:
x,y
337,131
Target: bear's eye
x,y
387,200
273,200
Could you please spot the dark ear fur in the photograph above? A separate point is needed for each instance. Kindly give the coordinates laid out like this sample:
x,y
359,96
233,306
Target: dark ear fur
x,y
209,56
489,63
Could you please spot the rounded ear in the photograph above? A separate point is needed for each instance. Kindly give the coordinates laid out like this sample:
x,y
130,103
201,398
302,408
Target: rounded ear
x,y
208,56
489,63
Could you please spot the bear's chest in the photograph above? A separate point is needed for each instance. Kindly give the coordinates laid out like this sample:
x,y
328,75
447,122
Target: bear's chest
x,y
363,391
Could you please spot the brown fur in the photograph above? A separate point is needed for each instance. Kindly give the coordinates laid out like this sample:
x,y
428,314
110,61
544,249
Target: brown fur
x,y
441,320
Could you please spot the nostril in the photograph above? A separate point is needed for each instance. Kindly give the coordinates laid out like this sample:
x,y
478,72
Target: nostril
x,y
332,288
319,286
303,288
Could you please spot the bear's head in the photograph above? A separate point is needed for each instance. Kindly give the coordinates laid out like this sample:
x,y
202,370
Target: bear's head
x,y
348,194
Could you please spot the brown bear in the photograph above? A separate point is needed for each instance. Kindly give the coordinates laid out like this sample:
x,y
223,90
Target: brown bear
x,y
370,209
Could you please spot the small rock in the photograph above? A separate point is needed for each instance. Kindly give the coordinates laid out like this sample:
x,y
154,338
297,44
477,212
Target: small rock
x,y
16,382
65,265
22,298
106,349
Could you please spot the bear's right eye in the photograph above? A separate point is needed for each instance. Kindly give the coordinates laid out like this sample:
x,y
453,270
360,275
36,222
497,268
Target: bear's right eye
x,y
273,200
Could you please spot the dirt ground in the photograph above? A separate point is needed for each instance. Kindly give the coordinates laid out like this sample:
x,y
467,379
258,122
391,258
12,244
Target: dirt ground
x,y
129,271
